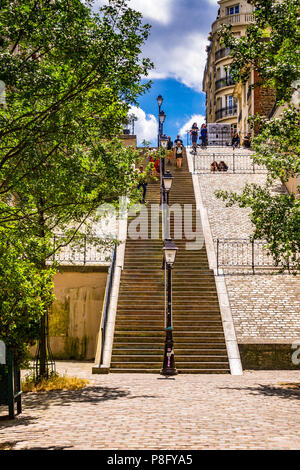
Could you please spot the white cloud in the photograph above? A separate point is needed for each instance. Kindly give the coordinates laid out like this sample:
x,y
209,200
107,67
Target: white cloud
x,y
184,61
157,10
178,38
198,118
146,127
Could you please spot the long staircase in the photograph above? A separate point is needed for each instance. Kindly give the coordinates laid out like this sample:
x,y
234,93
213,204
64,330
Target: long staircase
x,y
199,343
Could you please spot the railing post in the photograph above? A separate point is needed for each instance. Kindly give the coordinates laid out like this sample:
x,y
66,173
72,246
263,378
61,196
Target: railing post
x,y
217,257
253,259
233,162
54,244
84,256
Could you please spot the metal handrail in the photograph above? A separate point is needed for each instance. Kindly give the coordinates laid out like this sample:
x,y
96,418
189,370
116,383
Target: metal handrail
x,y
237,163
241,253
107,301
85,253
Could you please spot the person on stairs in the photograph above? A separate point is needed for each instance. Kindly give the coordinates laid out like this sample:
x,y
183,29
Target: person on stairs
x,y
178,139
179,154
194,133
203,135
142,179
169,150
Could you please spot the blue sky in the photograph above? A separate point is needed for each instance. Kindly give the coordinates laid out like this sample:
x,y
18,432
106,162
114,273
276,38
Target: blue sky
x,y
177,47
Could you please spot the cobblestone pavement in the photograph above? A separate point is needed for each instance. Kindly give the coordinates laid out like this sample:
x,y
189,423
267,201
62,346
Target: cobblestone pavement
x,y
265,307
140,411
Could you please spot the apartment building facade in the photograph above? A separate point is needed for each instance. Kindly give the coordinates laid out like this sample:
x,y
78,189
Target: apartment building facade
x,y
221,99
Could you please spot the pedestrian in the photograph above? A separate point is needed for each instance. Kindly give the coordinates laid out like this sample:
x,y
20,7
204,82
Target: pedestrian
x,y
178,139
247,141
203,135
169,150
179,154
194,133
142,183
235,141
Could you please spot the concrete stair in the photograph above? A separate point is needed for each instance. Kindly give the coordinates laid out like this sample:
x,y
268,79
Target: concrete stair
x,y
199,342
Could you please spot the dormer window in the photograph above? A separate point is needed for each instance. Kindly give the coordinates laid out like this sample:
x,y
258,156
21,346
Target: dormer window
x,y
233,10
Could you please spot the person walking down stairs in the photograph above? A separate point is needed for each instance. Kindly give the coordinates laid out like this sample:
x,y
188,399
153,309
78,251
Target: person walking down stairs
x,y
179,153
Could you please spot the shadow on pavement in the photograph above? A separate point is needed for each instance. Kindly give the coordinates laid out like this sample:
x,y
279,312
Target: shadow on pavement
x,y
91,395
269,391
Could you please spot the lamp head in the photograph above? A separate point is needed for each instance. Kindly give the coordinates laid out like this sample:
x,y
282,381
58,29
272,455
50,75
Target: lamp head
x,y
159,100
170,250
168,180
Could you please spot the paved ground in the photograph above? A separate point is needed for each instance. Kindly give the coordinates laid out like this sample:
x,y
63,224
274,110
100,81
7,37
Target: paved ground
x,y
149,412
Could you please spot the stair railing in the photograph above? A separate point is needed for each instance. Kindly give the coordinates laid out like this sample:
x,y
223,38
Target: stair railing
x,y
107,301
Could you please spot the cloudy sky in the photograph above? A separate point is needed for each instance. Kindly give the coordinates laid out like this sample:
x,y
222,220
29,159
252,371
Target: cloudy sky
x,y
177,47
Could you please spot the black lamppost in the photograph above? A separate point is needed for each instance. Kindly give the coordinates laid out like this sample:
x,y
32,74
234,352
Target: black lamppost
x,y
161,120
167,185
169,367
167,181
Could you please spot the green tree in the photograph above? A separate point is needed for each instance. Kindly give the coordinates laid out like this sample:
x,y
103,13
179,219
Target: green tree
x,y
270,46
71,76
25,295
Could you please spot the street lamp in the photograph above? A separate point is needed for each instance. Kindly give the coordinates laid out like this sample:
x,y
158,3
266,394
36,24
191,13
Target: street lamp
x,y
167,181
159,101
169,367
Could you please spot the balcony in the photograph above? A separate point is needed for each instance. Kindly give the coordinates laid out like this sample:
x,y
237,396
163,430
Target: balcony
x,y
223,82
226,112
239,18
221,53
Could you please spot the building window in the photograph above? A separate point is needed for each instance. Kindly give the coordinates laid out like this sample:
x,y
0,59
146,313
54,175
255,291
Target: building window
x,y
234,10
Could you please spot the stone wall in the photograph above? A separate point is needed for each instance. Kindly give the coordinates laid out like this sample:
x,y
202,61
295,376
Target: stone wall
x,y
264,98
75,317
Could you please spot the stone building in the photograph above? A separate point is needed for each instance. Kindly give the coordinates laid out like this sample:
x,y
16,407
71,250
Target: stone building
x,y
221,105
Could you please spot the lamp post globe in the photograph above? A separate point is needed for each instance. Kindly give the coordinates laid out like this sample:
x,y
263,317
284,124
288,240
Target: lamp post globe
x,y
160,100
162,117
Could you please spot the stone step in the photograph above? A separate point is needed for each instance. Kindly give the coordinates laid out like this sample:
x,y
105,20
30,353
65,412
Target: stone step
x,y
159,340
153,325
158,371
192,359
180,365
179,336
193,347
160,351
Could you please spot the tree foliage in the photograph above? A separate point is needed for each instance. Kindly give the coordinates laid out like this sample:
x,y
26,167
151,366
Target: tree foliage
x,y
270,46
71,76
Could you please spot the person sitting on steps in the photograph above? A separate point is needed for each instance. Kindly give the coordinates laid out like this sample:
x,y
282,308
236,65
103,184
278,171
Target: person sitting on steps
x,y
223,166
214,166
235,141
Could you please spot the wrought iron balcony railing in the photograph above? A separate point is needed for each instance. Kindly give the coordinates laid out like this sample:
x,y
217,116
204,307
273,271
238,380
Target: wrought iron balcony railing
x,y
226,112
221,53
223,82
